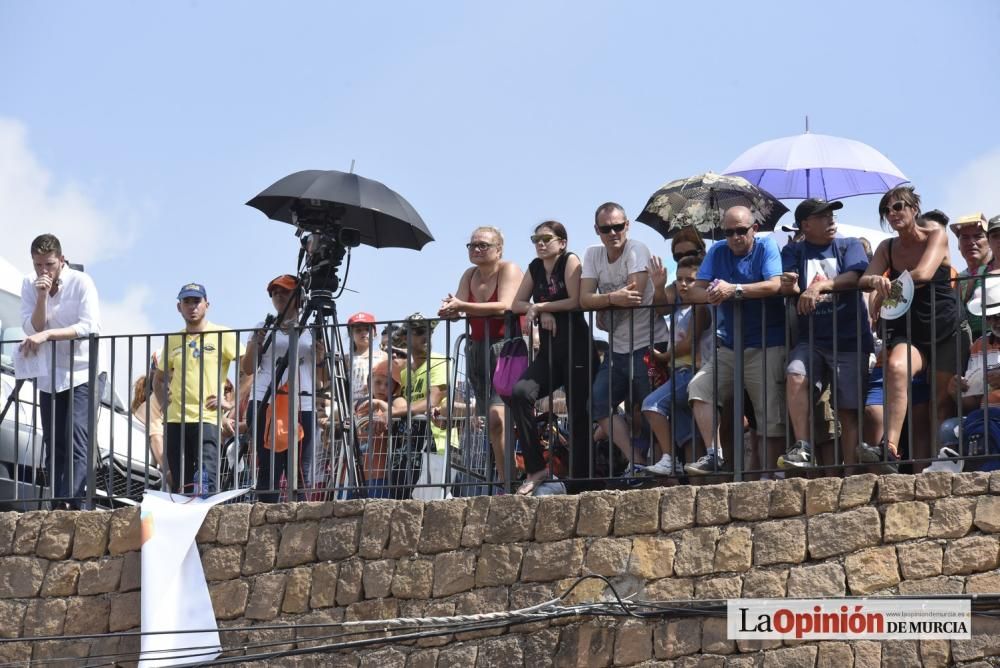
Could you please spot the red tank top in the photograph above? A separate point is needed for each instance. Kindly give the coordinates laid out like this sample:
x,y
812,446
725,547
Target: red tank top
x,y
477,326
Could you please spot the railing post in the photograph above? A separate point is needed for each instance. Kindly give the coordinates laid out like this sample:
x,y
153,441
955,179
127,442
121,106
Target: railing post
x,y
93,401
292,470
738,392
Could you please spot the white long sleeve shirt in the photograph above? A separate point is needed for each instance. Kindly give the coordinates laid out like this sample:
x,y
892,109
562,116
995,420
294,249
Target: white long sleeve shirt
x,y
74,305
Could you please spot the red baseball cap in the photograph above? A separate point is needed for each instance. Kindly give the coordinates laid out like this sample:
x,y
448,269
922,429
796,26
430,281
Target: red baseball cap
x,y
286,281
361,317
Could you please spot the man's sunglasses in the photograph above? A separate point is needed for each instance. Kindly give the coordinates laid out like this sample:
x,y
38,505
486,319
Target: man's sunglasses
x,y
608,229
737,231
691,253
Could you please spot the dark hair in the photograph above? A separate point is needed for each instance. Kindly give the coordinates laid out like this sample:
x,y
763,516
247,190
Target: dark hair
x,y
936,216
689,262
608,207
45,244
905,194
867,245
555,226
688,234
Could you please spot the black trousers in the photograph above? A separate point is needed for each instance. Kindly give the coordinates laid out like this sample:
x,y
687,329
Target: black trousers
x,y
192,473
551,369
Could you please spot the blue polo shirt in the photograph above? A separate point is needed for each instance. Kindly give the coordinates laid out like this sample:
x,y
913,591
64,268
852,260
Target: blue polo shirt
x,y
761,263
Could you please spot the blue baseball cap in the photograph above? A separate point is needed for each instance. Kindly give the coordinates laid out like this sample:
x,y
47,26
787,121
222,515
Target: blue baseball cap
x,y
192,290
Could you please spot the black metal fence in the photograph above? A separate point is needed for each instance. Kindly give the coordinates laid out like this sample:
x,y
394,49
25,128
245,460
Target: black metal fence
x,y
419,417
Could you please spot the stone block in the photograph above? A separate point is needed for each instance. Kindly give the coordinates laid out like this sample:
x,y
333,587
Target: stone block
x,y
323,593
545,562
780,542
87,615
696,551
11,620
900,653
556,518
90,536
222,563
750,501
8,528
765,584
44,617
338,538
819,580
313,510
834,655
280,513
55,542
932,485
987,517
21,577
867,654
261,549
511,519
125,534
919,560
791,657
376,577
266,596
99,577
376,608
29,525
678,637
936,585
906,520
423,658
499,564
585,645
670,589
967,484
126,612
297,590
633,644
935,653
714,637
857,490
974,554
374,529
414,579
298,544
677,508
734,551
712,505
454,572
896,487
476,514
389,657
349,582
719,588
503,652
348,508
787,497
822,495
209,529
608,556
404,529
540,648
872,570
951,518
442,526
61,578
983,583
839,533
652,557
457,656
131,572
638,512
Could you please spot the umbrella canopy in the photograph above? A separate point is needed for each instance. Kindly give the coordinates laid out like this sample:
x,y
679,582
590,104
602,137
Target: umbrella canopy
x,y
384,218
701,200
811,165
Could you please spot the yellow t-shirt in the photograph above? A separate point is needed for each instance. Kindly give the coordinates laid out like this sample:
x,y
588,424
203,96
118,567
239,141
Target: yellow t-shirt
x,y
204,352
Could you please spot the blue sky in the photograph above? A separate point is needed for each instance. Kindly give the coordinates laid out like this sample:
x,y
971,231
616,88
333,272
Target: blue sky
x,y
137,130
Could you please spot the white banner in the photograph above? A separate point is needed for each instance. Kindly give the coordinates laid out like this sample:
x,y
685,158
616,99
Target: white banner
x,y
174,595
848,619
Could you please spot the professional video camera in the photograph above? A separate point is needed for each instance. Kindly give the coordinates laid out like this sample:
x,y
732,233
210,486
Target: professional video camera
x,y
324,240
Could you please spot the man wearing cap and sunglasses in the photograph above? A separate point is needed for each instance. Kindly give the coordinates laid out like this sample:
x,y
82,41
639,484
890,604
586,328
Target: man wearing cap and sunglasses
x,y
821,262
974,246
193,362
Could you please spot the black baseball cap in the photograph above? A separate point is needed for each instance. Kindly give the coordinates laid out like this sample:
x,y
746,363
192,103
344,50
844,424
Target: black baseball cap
x,y
813,206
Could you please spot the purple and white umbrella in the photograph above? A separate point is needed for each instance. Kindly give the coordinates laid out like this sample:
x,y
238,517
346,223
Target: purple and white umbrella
x,y
811,165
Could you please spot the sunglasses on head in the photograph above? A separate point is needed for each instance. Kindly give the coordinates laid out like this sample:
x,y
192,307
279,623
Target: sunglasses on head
x,y
691,253
544,238
737,231
608,229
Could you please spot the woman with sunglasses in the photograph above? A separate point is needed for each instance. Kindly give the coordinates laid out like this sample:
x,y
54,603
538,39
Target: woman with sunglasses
x,y
932,334
485,292
564,356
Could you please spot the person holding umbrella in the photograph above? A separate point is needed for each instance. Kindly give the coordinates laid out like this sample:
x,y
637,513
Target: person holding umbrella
x,y
933,333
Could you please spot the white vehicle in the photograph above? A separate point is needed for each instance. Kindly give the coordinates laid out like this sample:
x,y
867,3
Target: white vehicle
x,y
124,466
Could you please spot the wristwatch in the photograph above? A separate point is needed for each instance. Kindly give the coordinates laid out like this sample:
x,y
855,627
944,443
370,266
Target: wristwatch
x,y
738,294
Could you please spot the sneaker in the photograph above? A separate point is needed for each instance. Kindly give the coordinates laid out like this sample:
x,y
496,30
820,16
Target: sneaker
x,y
633,474
666,466
709,464
799,456
947,460
879,454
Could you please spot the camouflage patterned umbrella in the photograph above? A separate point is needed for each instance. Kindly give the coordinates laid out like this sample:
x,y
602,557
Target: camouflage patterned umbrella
x,y
701,200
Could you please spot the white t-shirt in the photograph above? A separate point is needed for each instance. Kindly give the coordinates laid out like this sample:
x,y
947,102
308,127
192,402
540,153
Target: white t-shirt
x,y
360,367
613,276
307,363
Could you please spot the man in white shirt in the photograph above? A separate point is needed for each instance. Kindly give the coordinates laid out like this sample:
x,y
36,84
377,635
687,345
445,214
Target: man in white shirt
x,y
59,305
615,276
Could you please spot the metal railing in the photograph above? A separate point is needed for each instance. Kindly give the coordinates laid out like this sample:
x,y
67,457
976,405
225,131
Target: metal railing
x,y
345,446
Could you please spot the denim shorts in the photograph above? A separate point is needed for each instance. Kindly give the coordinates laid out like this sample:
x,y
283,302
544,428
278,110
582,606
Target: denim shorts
x,y
611,385
671,401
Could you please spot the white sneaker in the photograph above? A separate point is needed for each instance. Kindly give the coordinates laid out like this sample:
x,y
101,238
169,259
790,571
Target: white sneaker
x,y
666,466
947,460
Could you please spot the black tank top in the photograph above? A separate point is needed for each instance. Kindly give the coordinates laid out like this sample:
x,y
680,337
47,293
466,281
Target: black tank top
x,y
553,288
947,312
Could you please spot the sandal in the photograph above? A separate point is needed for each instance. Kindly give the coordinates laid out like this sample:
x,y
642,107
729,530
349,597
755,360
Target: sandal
x,y
529,486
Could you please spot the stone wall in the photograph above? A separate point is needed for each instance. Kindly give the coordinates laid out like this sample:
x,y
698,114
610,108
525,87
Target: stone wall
x,y
281,565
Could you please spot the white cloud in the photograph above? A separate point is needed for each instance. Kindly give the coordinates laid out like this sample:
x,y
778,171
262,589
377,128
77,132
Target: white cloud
x,y
976,187
31,204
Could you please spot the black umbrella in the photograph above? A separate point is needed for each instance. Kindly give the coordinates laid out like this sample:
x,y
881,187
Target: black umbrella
x,y
701,200
382,216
